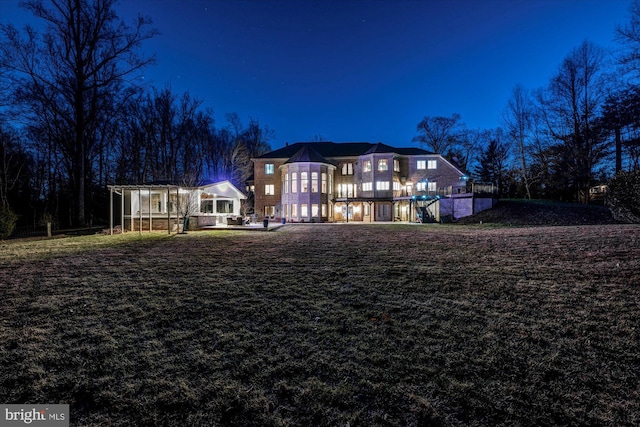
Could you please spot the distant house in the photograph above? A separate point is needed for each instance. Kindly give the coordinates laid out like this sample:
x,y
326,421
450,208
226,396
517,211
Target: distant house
x,y
163,206
326,182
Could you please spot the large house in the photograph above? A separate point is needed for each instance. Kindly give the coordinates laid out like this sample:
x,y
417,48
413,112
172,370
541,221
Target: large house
x,y
327,181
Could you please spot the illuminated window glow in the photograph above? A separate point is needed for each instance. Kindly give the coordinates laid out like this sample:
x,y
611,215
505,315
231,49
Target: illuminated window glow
x,y
382,185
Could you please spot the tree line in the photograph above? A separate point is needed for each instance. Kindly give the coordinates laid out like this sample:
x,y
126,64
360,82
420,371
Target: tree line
x,y
74,118
557,141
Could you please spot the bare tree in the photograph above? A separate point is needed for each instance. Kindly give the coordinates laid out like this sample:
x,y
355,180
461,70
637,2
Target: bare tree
x,y
571,106
518,123
629,36
10,166
69,78
439,134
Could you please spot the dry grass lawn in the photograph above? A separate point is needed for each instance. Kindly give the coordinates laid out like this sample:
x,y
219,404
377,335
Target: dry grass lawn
x,y
328,325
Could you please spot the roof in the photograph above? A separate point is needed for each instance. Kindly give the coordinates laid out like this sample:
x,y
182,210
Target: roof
x,y
221,188
342,149
307,155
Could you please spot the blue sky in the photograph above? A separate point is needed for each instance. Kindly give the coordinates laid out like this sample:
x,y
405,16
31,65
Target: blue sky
x,y
361,70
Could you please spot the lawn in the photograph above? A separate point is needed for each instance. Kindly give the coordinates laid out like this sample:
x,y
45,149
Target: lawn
x,y
340,324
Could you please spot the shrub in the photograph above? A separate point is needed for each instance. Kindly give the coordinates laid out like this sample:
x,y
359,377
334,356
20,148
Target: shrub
x,y
7,222
623,196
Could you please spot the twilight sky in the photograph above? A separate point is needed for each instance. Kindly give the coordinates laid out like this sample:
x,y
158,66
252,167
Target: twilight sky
x,y
361,70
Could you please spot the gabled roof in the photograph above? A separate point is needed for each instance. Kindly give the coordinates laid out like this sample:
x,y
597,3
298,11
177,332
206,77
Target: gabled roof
x,y
223,189
307,155
343,149
381,148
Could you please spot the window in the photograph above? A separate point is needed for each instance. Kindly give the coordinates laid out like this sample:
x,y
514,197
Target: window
x,y
324,209
269,210
286,183
347,169
314,210
409,188
422,164
286,211
383,165
224,206
396,186
206,206
432,164
366,166
294,182
324,182
346,190
330,183
421,186
432,186
269,189
367,186
304,182
269,169
294,211
382,185
396,165
303,210
314,182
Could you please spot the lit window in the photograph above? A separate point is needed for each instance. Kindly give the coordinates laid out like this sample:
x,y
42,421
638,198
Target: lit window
x,y
432,186
383,165
269,169
421,186
304,182
269,189
314,210
422,164
314,182
396,186
324,209
366,166
294,182
330,183
286,183
382,185
324,182
432,164
303,210
294,211
269,210
396,165
409,187
347,169
346,190
367,186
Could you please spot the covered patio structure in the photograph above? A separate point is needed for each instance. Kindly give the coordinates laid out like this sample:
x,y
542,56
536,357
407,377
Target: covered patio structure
x,y
165,206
